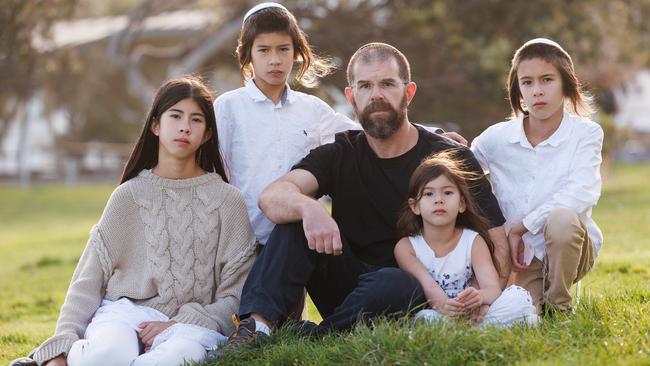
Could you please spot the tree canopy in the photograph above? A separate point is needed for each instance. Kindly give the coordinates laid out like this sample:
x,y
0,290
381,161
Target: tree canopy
x,y
459,51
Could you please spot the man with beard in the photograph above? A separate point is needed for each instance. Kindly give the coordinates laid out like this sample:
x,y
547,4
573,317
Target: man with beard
x,y
346,260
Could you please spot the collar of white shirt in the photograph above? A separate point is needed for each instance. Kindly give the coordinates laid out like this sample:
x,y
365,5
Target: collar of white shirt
x,y
518,135
256,94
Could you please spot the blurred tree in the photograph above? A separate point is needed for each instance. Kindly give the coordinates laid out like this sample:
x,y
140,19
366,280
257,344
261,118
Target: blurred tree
x,y
95,110
615,138
106,87
190,56
20,21
459,50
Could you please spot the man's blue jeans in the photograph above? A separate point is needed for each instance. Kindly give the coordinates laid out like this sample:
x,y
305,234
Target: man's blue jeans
x,y
343,288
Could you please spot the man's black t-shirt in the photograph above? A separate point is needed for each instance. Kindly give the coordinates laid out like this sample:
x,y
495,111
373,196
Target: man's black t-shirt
x,y
367,192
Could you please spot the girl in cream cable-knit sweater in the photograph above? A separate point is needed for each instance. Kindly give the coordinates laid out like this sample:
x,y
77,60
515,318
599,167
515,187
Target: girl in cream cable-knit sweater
x,y
164,267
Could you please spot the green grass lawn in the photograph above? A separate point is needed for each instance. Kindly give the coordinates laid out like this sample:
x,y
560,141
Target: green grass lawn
x,y
43,231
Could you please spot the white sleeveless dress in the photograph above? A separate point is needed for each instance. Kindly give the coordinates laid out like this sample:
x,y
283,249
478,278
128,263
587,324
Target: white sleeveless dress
x,y
453,273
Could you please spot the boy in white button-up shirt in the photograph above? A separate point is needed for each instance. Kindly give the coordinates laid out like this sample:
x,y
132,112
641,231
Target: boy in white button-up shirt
x,y
262,140
544,165
265,127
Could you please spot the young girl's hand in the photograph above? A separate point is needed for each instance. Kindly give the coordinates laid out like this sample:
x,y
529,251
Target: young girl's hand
x,y
449,307
439,301
452,307
471,298
479,313
151,329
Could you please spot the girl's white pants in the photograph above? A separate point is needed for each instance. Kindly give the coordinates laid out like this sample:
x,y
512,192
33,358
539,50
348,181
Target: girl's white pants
x,y
513,306
111,338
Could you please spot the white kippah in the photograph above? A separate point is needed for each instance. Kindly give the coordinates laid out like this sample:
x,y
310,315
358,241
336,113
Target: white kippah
x,y
545,41
260,7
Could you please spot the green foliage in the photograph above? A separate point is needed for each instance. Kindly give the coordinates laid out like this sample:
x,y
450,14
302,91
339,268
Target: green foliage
x,y
45,228
42,234
614,137
594,335
460,51
89,94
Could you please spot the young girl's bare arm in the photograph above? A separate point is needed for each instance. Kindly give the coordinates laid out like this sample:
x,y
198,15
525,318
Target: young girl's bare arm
x,y
485,272
436,297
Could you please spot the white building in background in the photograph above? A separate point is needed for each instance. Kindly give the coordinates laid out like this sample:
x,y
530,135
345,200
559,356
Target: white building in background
x,y
29,142
29,148
633,104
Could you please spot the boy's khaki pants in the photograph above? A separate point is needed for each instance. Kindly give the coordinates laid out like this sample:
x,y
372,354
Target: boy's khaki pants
x,y
569,256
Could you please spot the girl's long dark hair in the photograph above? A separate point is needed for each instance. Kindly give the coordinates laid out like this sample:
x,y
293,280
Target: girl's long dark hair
x,y
145,151
448,164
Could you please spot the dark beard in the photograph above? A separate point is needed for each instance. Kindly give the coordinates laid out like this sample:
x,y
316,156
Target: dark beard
x,y
382,127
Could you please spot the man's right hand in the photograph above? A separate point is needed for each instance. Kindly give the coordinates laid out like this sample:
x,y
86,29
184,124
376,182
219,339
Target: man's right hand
x,y
57,361
321,230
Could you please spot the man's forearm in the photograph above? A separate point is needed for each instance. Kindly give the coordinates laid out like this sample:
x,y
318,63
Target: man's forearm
x,y
282,202
501,254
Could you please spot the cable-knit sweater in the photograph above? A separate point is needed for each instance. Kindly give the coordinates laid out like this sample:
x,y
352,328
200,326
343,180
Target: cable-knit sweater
x,y
183,247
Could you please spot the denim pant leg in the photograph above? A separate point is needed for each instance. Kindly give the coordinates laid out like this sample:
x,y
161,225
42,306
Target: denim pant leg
x,y
279,274
334,278
386,291
341,287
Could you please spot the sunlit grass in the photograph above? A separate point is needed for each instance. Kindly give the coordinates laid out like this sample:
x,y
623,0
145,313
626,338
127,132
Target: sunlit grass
x,y
43,231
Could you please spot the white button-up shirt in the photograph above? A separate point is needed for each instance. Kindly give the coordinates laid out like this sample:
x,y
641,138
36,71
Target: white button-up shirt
x,y
561,171
260,141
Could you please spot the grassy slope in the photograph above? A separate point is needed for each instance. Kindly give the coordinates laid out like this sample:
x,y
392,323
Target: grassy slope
x,y
611,325
43,230
42,233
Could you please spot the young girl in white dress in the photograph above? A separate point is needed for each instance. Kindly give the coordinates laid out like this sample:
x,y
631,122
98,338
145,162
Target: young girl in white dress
x,y
445,247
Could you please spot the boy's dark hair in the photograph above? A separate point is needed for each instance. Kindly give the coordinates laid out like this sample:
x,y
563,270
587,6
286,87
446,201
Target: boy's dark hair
x,y
581,101
277,20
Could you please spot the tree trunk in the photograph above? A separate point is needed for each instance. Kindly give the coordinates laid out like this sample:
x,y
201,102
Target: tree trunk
x,y
23,169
